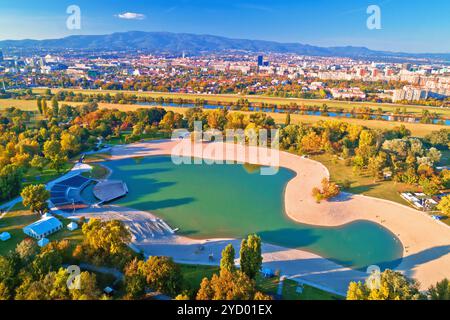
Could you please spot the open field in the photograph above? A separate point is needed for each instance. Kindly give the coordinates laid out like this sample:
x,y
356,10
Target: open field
x,y
417,129
265,99
27,105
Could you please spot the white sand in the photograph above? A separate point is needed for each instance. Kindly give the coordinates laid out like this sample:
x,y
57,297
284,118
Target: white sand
x,y
426,241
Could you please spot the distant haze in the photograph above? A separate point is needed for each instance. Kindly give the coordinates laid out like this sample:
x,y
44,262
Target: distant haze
x,y
175,43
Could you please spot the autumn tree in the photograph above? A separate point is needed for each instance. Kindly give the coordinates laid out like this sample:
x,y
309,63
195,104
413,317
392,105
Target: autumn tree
x,y
392,286
329,190
54,153
440,291
162,275
35,197
444,205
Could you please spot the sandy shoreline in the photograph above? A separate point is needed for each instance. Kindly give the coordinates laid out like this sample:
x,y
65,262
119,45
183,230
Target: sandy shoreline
x,y
426,242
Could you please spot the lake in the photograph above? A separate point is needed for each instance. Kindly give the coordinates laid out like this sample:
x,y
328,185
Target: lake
x,y
232,201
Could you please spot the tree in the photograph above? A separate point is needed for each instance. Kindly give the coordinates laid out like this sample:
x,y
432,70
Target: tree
x,y
135,281
288,120
27,250
444,205
250,256
162,275
227,261
35,197
227,286
10,182
38,162
434,155
88,289
106,242
4,292
440,291
70,144
311,143
392,286
329,190
44,107
53,152
55,107
39,105
367,144
430,187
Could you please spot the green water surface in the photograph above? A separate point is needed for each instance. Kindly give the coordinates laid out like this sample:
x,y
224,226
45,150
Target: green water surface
x,y
214,201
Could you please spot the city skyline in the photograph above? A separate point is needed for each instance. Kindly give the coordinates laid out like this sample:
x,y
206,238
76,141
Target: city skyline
x,y
321,23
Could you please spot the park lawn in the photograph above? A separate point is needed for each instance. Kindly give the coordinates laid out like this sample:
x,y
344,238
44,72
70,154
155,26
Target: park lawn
x,y
19,217
270,286
309,293
75,237
13,222
34,176
389,107
98,172
96,157
193,275
363,184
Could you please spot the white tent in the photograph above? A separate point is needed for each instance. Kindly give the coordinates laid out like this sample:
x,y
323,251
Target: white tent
x,y
43,227
43,242
5,236
72,226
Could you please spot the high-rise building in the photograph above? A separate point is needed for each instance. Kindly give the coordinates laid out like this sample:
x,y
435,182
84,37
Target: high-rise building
x,y
260,61
1,56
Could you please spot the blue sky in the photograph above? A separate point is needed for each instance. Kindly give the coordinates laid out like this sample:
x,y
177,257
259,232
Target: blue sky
x,y
407,25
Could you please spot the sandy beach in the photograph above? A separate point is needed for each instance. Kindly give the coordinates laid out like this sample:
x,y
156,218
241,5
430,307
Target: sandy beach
x,y
426,242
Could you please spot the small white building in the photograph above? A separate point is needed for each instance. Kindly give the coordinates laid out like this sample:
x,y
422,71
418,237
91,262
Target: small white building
x,y
72,226
43,242
44,227
5,236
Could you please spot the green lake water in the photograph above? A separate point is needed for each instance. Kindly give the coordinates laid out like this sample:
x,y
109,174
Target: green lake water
x,y
214,201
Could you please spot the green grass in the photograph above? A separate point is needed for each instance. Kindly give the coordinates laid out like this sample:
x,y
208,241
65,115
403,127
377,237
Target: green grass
x,y
270,286
309,293
13,222
98,172
362,183
34,176
193,275
19,217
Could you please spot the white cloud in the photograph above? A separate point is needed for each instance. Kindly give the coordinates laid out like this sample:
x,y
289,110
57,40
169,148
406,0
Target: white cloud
x,y
131,16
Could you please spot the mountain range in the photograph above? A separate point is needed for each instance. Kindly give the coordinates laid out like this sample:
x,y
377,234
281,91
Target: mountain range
x,y
175,43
